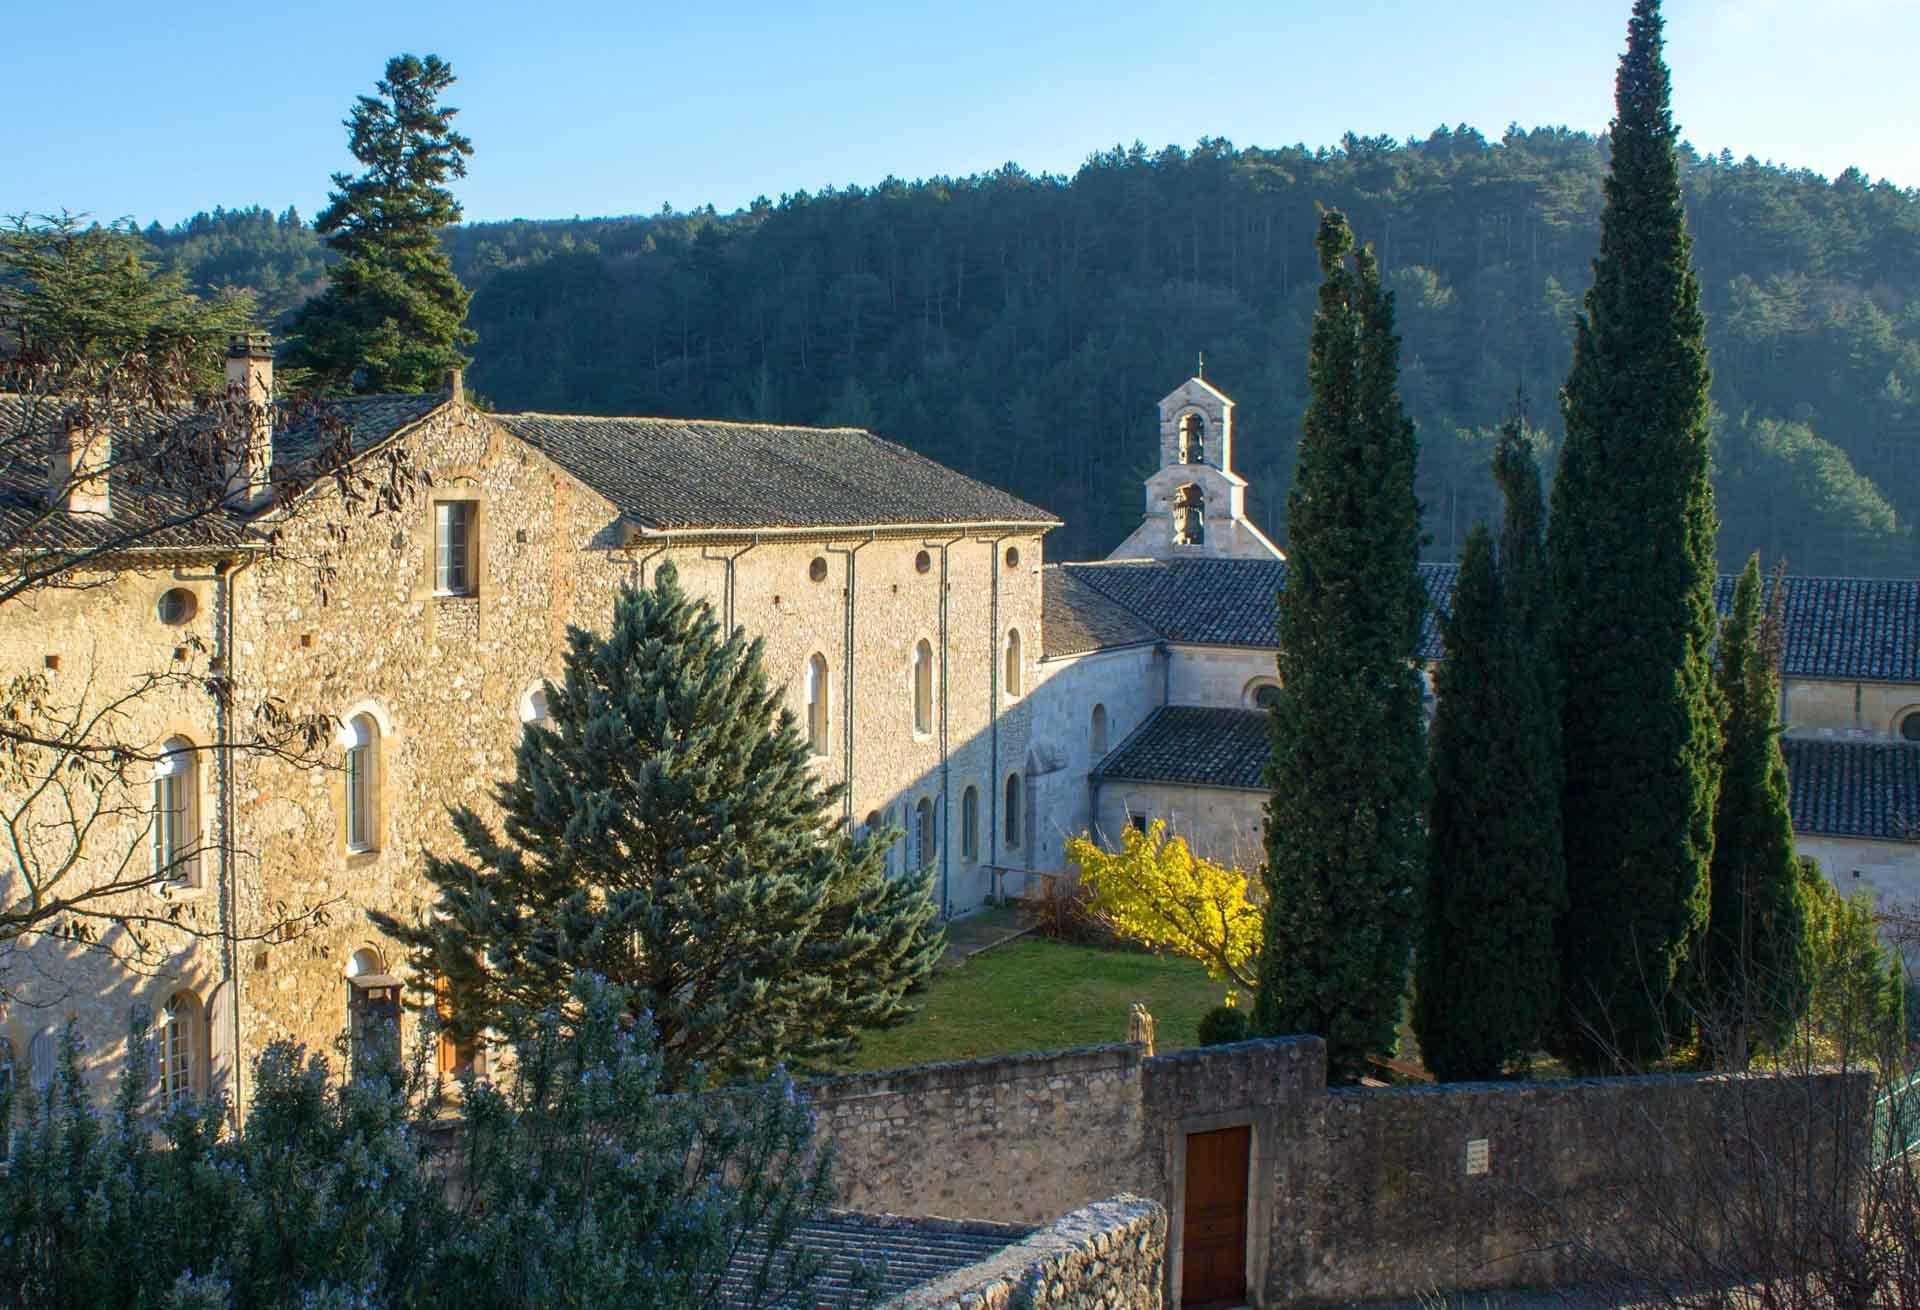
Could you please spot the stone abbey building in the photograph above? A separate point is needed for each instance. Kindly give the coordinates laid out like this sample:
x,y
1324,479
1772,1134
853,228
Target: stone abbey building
x,y
986,703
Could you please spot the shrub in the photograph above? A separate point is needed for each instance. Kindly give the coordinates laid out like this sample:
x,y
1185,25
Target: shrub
x,y
1223,1024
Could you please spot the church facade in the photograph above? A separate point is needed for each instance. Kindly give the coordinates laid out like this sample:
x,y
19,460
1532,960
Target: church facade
x,y
987,704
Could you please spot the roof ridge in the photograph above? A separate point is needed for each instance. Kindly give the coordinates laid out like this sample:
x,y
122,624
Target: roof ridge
x,y
703,422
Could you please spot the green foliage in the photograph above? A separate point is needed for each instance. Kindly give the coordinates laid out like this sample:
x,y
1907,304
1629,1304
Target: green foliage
x,y
1345,841
1223,1024
567,1185
1488,981
1751,977
391,318
73,294
666,829
1859,992
1632,540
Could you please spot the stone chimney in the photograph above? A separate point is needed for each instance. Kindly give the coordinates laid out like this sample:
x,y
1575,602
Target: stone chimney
x,y
456,385
79,455
249,456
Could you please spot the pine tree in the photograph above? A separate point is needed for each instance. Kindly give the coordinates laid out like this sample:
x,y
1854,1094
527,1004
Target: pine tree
x,y
1348,771
668,833
1488,980
392,314
1753,973
1632,540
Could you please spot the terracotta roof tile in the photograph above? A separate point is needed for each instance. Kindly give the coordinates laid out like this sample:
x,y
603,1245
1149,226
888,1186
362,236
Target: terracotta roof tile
x,y
1194,745
1854,788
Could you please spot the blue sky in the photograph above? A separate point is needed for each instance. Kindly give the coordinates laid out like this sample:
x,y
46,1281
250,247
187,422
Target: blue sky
x,y
155,111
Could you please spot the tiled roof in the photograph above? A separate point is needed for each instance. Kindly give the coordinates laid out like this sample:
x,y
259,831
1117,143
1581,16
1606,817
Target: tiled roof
x,y
1075,618
1841,628
1854,788
1224,602
905,1252
690,473
149,517
1848,628
1195,745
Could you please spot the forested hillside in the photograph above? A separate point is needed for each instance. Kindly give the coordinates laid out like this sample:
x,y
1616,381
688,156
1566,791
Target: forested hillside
x,y
1020,328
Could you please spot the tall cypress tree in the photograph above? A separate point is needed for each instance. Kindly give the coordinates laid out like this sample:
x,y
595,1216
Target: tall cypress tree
x,y
668,833
1496,885
1754,968
1632,541
392,317
1345,849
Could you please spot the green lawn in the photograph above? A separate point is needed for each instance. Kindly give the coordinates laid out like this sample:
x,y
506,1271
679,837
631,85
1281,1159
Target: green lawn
x,y
1034,995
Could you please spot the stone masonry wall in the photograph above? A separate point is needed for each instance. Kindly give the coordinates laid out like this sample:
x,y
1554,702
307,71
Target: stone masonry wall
x,y
1105,1255
1019,1139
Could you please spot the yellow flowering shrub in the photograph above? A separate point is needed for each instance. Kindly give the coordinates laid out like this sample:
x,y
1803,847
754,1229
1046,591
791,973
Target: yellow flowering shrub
x,y
1158,893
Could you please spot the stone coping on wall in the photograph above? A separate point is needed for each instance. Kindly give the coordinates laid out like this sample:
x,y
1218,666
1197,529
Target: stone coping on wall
x,y
1118,1056
1110,1253
1619,1083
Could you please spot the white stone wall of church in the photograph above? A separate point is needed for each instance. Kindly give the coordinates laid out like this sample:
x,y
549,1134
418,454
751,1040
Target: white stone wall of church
x,y
1218,824
1847,709
1219,675
1889,871
1128,683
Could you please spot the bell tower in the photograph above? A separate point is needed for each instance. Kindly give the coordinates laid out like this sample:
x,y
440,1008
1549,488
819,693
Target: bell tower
x,y
1196,503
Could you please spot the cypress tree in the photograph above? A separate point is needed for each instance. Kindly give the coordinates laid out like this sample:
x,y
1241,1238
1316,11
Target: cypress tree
x,y
1488,979
666,831
392,316
1632,541
1754,967
1348,771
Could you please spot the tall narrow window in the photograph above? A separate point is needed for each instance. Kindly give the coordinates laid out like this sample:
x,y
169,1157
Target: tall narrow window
x,y
970,824
176,817
1189,516
360,738
457,1055
1013,811
1012,672
925,840
43,1053
453,547
176,1037
1193,439
923,687
373,1010
1097,735
817,704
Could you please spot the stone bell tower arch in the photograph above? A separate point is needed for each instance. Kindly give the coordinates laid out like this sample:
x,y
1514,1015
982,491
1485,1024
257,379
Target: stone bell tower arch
x,y
1196,504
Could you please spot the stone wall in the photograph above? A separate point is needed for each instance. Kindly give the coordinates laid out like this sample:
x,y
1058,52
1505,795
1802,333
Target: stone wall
x,y
1109,1254
1821,708
1220,675
1222,824
1019,1139
1128,684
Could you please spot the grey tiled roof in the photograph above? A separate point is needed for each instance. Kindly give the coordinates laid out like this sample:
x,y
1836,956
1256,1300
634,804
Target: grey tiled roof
x,y
1854,788
691,473
904,1252
1841,628
150,516
1075,618
1195,745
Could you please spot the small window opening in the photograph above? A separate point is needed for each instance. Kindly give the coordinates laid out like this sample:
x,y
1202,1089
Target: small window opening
x,y
923,687
177,1041
176,815
453,547
1193,439
1013,663
177,605
1097,735
1013,557
922,562
360,739
1910,727
818,569
1013,811
925,840
1189,516
816,690
970,824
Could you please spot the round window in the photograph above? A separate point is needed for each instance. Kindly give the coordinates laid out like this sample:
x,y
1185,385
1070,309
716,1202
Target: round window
x,y
922,562
177,605
818,569
1266,697
1013,557
1910,726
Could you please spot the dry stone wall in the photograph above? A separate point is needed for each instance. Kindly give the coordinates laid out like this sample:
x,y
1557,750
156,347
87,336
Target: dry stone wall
x,y
1109,1254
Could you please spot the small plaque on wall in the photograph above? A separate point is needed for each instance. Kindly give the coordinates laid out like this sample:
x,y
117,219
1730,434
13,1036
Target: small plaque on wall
x,y
1477,1157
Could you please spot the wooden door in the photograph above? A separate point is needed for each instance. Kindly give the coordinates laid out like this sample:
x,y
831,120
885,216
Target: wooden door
x,y
1213,1249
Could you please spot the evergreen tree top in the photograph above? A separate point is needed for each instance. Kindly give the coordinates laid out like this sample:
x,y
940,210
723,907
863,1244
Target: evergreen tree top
x,y
405,137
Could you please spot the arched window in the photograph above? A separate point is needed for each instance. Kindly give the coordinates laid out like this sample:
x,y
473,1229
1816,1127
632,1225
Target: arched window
x,y
176,815
43,1053
923,687
373,1009
1189,516
177,1039
1260,694
1193,439
1910,726
1097,735
817,704
533,705
1013,811
926,841
970,824
6,1066
220,1043
360,739
1012,672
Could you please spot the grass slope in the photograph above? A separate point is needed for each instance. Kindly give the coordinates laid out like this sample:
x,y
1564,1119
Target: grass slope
x,y
1037,995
